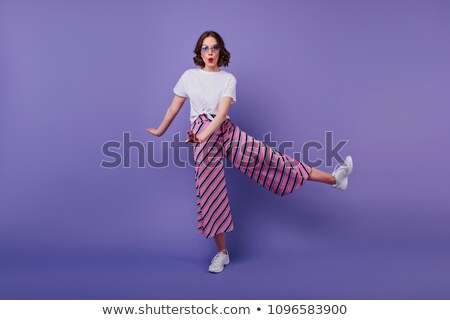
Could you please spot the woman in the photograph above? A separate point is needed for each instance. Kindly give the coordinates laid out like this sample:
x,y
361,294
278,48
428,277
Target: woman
x,y
211,91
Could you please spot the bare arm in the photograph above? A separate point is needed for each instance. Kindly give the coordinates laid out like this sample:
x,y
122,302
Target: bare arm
x,y
224,106
171,113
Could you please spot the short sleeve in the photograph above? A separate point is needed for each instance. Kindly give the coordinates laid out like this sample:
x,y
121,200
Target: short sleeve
x,y
230,89
180,86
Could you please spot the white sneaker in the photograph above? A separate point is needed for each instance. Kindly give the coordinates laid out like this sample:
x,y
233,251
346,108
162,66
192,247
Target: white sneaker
x,y
220,259
342,172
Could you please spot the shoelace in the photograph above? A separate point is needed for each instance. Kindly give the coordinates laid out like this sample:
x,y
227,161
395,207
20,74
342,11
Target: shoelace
x,y
339,166
216,258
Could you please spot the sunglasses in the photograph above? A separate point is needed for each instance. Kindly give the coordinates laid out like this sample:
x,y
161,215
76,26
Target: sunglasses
x,y
214,48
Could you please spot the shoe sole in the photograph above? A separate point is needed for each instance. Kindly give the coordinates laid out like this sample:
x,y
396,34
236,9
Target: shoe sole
x,y
349,162
219,271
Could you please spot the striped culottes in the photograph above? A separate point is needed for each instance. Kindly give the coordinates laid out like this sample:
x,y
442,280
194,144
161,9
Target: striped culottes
x,y
277,172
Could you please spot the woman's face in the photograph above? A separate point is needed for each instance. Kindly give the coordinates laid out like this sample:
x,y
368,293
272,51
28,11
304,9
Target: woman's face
x,y
210,52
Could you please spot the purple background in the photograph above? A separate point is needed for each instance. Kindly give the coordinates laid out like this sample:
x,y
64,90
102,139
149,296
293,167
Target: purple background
x,y
76,74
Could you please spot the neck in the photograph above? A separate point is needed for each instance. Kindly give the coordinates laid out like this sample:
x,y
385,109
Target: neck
x,y
208,69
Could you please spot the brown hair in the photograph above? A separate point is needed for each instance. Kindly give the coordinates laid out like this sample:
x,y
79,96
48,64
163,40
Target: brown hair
x,y
224,56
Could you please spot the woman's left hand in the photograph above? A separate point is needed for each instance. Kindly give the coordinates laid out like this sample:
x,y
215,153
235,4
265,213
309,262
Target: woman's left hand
x,y
192,137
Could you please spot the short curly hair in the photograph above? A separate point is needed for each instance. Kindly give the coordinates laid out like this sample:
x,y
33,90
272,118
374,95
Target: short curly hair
x,y
224,56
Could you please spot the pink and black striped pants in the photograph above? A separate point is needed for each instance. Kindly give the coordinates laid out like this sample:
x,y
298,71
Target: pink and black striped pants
x,y
277,172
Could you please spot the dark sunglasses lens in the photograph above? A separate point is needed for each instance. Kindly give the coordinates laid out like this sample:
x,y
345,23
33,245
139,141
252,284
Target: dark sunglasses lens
x,y
213,48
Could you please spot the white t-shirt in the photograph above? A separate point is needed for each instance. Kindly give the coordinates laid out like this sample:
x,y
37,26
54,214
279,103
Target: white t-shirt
x,y
204,90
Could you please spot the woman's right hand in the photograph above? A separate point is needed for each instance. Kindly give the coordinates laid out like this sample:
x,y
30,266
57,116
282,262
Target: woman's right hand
x,y
154,131
192,137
